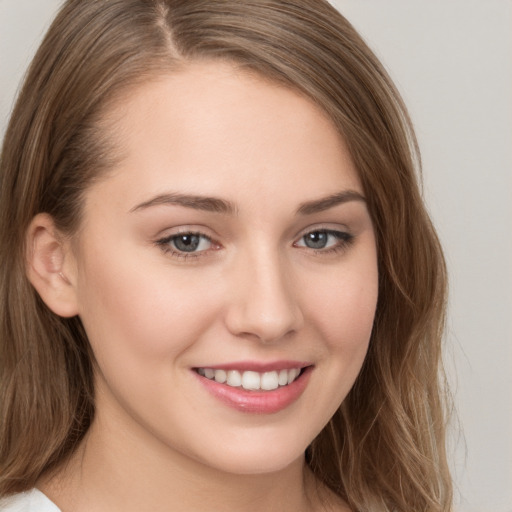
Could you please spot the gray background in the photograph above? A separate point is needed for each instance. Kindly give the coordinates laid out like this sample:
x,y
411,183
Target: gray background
x,y
452,61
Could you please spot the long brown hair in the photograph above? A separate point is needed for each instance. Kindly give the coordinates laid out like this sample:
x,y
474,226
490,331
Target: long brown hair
x,y
385,447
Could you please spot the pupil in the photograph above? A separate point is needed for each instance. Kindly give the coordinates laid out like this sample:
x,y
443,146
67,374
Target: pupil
x,y
316,240
187,243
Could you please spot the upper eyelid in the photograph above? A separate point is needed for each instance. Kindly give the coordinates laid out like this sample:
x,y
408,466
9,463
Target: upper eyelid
x,y
346,235
210,234
164,243
187,229
324,227
167,238
330,231
213,236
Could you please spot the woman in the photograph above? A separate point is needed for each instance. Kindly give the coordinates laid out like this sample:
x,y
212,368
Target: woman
x,y
222,290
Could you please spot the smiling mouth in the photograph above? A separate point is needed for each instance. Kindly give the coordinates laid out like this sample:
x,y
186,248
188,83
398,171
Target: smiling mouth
x,y
251,380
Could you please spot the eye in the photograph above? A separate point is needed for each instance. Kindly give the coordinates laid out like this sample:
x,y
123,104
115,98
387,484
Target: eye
x,y
325,240
183,244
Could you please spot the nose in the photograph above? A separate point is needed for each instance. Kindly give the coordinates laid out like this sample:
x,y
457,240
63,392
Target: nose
x,y
264,304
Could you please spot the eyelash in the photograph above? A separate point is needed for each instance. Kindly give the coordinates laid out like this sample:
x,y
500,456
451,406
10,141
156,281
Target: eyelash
x,y
344,240
165,245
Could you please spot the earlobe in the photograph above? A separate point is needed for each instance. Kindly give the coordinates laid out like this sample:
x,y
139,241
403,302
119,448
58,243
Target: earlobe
x,y
48,266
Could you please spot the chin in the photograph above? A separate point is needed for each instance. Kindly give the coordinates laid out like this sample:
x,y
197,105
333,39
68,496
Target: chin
x,y
257,458
259,464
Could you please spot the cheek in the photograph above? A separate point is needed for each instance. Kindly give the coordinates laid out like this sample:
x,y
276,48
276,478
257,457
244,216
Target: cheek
x,y
347,328
143,310
343,312
344,308
353,314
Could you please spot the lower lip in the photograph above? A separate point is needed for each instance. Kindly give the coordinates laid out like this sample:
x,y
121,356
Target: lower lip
x,y
258,402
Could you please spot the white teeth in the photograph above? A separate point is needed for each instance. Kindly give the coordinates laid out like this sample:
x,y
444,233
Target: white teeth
x,y
293,374
234,379
269,381
250,380
220,376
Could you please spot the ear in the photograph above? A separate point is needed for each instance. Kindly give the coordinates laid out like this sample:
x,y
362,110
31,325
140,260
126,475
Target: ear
x,y
50,266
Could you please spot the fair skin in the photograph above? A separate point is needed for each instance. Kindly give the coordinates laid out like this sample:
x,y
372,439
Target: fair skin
x,y
274,272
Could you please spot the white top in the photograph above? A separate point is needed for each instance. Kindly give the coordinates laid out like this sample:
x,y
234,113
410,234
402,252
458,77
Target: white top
x,y
30,501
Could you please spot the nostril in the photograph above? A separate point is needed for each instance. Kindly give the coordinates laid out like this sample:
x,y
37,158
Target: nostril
x,y
265,306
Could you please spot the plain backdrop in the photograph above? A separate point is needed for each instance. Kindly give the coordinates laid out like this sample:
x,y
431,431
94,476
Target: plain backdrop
x,y
452,61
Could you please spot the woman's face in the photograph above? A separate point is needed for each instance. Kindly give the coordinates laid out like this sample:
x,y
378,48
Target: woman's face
x,y
232,241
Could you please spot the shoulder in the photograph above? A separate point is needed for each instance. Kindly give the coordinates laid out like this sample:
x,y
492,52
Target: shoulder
x,y
30,501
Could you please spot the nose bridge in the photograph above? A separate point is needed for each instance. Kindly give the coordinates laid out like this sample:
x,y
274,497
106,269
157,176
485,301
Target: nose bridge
x,y
265,305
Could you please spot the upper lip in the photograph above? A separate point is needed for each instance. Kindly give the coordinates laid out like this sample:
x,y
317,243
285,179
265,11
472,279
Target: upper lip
x,y
258,366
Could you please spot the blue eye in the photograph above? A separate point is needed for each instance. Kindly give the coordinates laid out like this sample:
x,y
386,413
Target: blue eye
x,y
316,240
186,243
325,239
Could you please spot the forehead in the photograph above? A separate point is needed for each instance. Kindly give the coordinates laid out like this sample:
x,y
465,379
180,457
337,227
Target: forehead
x,y
215,129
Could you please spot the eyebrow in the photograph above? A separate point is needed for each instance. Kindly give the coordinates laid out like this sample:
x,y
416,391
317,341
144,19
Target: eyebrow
x,y
217,205
325,203
208,204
